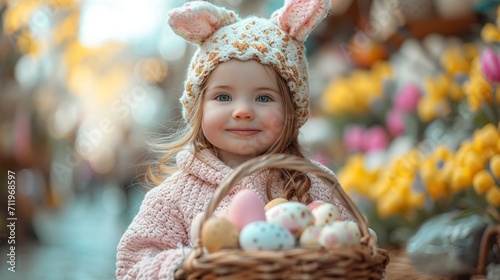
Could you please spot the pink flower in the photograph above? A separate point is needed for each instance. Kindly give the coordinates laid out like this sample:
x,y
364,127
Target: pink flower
x,y
490,65
407,98
375,139
395,122
353,137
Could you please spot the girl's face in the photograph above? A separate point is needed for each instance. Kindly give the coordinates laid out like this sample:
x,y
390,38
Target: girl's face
x,y
243,110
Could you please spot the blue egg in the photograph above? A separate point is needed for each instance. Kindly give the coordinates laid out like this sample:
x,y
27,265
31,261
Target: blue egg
x,y
264,236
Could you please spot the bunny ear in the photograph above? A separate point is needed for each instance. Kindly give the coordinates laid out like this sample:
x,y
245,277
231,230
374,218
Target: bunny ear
x,y
300,17
196,21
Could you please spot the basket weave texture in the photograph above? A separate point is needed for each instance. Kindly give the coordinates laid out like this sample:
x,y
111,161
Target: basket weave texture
x,y
363,261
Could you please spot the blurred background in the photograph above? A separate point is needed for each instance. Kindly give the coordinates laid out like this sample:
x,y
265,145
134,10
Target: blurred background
x,y
397,87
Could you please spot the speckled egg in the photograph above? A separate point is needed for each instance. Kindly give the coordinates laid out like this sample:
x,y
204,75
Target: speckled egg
x,y
218,233
274,202
293,216
340,234
325,214
264,236
246,207
310,236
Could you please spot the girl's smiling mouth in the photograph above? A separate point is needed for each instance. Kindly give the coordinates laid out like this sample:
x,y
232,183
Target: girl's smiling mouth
x,y
243,131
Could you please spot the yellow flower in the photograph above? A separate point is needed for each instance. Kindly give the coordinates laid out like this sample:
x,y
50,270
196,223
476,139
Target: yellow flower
x,y
391,204
430,108
416,201
486,137
495,166
461,178
433,172
473,161
482,182
438,187
490,33
455,60
493,196
471,50
478,90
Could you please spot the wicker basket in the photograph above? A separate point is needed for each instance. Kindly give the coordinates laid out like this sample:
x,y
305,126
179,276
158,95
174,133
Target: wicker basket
x,y
363,261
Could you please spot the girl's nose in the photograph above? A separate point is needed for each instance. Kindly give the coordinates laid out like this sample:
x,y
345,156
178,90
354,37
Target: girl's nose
x,y
243,111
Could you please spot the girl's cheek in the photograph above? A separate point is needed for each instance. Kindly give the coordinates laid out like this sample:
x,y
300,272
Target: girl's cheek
x,y
275,121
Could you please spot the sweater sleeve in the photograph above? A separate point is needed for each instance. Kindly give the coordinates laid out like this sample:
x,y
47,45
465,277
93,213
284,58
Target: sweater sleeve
x,y
151,247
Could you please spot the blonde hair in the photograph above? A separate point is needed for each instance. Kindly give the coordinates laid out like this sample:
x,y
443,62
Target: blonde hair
x,y
297,183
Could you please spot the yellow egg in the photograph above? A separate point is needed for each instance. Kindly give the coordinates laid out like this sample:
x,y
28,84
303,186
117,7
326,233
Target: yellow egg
x,y
218,233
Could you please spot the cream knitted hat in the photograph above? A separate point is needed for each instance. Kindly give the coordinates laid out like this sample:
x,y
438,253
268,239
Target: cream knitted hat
x,y
221,35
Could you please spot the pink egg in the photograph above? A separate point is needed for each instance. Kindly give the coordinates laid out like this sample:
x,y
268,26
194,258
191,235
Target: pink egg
x,y
314,204
246,207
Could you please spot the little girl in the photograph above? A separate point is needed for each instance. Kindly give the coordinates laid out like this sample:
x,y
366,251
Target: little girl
x,y
246,94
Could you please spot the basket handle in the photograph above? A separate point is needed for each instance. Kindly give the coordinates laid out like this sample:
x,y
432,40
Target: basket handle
x,y
490,237
294,163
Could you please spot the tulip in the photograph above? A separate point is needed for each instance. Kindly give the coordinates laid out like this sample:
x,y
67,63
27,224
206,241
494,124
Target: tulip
x,y
353,137
490,65
395,122
375,139
407,98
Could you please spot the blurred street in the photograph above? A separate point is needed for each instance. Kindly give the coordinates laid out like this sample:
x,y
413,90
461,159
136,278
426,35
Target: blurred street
x,y
76,242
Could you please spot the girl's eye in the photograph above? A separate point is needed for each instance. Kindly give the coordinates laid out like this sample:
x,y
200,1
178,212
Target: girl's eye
x,y
223,97
264,98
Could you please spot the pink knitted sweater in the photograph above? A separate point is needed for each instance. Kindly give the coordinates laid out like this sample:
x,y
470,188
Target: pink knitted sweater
x,y
157,240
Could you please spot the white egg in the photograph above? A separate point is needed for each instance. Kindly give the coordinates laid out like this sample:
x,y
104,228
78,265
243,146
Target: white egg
x,y
310,236
340,234
325,214
293,216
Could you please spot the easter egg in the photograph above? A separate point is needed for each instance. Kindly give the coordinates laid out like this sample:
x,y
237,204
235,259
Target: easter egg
x,y
293,216
264,236
326,213
310,236
340,234
218,233
314,204
246,207
274,202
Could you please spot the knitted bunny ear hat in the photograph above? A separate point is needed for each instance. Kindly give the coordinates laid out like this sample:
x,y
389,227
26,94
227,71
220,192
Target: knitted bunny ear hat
x,y
222,35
